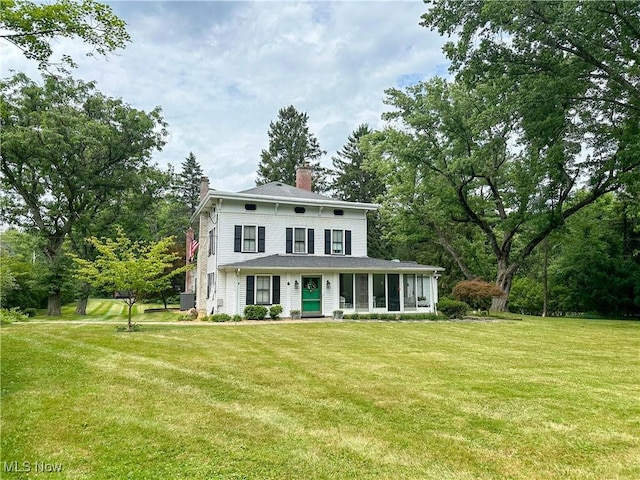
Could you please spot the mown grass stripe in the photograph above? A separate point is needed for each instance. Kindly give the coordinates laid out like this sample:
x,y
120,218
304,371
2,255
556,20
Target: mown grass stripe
x,y
521,400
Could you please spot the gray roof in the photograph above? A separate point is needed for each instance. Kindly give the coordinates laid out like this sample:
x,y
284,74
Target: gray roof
x,y
279,189
317,262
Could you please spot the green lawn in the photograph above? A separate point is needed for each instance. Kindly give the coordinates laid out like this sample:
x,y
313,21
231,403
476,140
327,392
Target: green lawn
x,y
531,399
100,309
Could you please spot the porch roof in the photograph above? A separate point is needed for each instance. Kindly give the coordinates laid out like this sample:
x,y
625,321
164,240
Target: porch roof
x,y
328,263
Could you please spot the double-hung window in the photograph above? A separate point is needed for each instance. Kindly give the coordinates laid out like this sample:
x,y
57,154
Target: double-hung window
x,y
263,290
249,238
212,240
337,242
210,280
299,240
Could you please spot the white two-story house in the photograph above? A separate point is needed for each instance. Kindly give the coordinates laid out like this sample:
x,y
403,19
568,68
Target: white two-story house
x,y
279,244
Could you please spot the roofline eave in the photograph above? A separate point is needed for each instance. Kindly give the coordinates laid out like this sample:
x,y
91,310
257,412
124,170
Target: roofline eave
x,y
231,267
277,199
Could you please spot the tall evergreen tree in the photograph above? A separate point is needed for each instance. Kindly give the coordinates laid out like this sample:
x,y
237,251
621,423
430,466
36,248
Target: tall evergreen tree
x,y
353,182
291,144
188,183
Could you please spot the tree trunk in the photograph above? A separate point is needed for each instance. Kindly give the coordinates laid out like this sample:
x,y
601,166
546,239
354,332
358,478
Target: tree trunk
x,y
504,280
81,308
54,305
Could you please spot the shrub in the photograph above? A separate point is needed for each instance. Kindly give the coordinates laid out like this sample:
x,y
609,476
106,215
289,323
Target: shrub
x,y
275,311
452,308
393,316
526,296
237,318
13,315
477,293
220,317
255,312
29,312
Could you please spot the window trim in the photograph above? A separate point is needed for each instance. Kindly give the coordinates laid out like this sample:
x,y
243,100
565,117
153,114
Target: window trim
x,y
329,241
212,241
334,242
262,290
274,289
244,238
308,239
210,283
296,242
240,239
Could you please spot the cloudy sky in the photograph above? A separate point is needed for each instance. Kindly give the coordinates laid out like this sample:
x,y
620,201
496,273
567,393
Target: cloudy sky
x,y
222,70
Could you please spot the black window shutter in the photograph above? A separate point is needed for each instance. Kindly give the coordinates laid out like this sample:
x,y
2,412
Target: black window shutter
x,y
310,245
289,240
347,242
237,239
250,282
261,236
275,287
327,242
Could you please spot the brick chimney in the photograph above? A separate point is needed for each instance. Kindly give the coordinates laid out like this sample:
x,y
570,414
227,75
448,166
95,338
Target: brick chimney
x,y
303,176
204,187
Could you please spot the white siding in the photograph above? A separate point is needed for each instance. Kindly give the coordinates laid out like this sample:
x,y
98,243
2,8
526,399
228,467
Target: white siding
x,y
276,223
228,294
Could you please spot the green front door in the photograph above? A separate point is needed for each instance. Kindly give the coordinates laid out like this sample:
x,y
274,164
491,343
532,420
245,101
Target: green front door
x,y
311,296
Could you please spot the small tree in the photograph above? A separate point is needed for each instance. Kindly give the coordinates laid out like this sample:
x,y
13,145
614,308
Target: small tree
x,y
133,268
477,293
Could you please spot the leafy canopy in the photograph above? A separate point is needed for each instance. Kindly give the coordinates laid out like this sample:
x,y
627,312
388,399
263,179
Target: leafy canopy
x,y
32,26
68,153
133,268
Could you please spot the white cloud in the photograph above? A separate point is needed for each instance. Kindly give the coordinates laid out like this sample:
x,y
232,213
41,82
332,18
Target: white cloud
x,y
222,70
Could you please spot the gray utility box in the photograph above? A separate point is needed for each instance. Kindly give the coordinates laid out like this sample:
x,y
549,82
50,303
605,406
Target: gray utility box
x,y
187,301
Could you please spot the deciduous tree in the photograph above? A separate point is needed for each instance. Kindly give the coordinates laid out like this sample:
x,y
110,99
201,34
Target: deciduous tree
x,y
131,268
32,26
464,153
68,152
